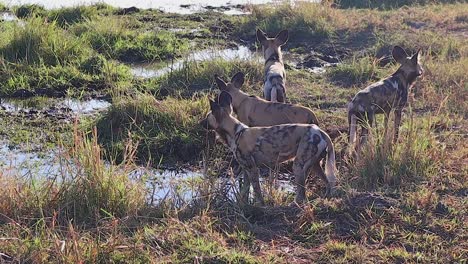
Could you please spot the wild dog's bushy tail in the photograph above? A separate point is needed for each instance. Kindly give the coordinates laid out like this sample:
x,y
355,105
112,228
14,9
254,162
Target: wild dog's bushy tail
x,y
330,167
278,91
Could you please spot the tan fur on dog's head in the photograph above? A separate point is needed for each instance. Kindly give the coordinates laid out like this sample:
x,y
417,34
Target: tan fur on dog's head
x,y
236,83
272,46
410,66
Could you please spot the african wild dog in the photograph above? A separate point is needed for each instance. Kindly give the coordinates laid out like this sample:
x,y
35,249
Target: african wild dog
x,y
274,88
255,146
384,96
254,111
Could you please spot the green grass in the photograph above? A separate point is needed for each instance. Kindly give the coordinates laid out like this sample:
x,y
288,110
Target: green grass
x,y
196,77
304,21
382,4
117,39
28,10
356,71
164,131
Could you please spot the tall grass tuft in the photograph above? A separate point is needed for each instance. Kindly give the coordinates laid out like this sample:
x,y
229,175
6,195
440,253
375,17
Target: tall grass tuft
x,y
165,131
117,39
195,77
40,42
67,16
86,189
416,157
304,20
357,71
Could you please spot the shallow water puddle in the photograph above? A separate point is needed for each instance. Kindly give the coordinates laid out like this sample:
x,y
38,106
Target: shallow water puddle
x,y
187,185
76,106
16,162
151,70
180,186
172,6
8,16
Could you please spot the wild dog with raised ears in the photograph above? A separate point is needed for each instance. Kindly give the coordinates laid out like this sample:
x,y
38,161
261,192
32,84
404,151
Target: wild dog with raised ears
x,y
254,111
384,96
256,146
274,85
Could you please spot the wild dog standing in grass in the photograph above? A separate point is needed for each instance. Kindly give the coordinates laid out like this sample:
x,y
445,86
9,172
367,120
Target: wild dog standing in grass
x,y
255,146
274,85
254,111
384,96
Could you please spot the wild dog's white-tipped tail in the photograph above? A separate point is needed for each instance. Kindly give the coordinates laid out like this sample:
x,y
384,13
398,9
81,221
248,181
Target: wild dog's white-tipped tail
x,y
330,167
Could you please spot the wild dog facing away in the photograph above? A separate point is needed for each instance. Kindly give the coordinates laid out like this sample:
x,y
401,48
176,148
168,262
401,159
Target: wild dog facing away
x,y
255,146
384,96
254,111
274,85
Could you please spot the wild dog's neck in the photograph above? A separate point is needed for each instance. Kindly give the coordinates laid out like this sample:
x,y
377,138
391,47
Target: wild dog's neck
x,y
238,97
229,132
407,79
272,55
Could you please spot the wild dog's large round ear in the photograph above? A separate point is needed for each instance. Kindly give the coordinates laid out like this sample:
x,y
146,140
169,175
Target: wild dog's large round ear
x,y
222,85
238,80
399,54
224,99
415,57
261,36
282,37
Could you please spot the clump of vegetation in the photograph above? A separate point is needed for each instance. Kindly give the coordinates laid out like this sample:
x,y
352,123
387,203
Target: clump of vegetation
x,y
86,191
195,76
357,71
38,42
164,131
382,4
303,20
416,157
67,16
115,39
42,55
28,10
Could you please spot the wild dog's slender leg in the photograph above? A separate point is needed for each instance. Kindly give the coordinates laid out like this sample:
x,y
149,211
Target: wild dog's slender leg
x,y
386,117
255,181
397,124
319,171
253,175
245,189
300,178
301,167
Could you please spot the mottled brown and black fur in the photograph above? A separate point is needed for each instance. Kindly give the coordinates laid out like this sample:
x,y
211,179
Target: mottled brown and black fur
x,y
274,85
385,96
254,111
257,146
